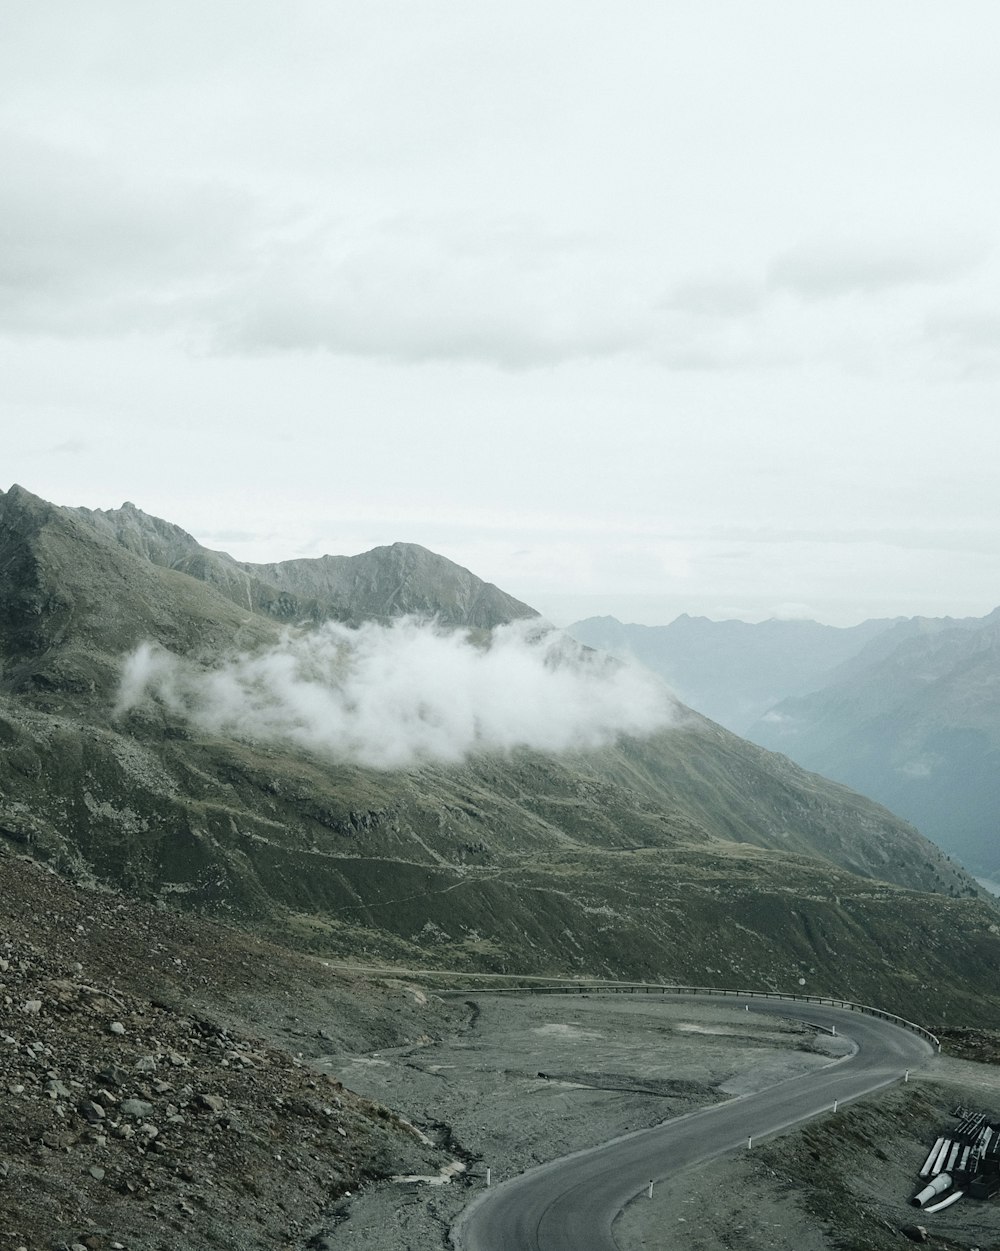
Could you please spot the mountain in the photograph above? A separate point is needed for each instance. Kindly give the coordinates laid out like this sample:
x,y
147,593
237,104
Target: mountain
x,y
914,721
381,584
687,854
733,671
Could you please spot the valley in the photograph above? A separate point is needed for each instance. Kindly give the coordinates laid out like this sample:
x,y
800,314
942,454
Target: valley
x,y
188,855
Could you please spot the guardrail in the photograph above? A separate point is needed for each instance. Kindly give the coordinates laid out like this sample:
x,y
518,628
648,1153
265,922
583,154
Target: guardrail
x,y
649,988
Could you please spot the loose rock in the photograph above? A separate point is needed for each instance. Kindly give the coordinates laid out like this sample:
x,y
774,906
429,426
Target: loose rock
x,y
137,1108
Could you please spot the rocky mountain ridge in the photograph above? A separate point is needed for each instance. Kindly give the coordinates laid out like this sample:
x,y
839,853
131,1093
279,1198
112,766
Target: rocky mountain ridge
x,y
630,860
381,584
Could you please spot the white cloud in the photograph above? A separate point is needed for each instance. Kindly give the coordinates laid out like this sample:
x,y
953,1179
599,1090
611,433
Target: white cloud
x,y
715,297
922,767
393,697
827,268
88,249
85,249
967,341
505,292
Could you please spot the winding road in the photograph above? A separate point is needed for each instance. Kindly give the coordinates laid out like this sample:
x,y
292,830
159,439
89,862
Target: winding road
x,y
571,1203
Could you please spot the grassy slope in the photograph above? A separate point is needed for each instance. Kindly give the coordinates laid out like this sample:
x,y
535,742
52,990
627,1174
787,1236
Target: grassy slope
x,y
690,856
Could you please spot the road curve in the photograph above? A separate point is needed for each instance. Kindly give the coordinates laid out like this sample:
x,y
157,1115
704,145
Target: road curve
x,y
571,1203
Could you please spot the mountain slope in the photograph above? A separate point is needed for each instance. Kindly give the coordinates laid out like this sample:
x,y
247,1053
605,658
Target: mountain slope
x,y
732,671
917,726
688,854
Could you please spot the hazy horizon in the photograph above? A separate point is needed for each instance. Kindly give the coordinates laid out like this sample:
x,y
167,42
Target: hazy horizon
x,y
679,308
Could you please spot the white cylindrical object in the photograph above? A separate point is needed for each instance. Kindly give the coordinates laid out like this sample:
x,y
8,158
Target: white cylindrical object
x,y
940,1184
938,1164
945,1202
928,1163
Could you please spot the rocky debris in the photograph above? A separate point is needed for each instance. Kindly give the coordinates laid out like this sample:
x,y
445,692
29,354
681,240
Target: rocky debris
x,y
171,1123
854,1172
981,1045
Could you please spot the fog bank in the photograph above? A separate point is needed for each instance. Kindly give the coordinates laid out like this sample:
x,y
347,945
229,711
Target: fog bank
x,y
395,696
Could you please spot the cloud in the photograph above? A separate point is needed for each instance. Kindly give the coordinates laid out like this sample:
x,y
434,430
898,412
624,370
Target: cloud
x,y
969,341
715,297
826,269
922,767
504,292
780,719
393,697
88,250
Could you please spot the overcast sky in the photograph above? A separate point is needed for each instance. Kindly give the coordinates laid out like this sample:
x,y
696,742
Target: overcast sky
x,y
642,308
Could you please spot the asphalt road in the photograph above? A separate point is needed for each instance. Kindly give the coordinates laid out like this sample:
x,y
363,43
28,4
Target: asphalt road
x,y
571,1203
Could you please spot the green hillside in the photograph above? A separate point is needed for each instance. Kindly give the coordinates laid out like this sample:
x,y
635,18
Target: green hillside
x,y
686,854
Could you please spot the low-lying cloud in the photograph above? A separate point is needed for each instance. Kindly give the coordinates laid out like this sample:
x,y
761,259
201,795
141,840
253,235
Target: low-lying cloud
x,y
393,697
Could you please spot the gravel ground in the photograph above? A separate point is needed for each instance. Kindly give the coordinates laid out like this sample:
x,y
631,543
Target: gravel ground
x,y
137,1109
841,1183
530,1079
170,1085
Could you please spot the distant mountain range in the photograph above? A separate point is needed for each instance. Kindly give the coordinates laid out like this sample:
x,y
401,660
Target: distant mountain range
x,y
914,721
685,854
732,671
906,711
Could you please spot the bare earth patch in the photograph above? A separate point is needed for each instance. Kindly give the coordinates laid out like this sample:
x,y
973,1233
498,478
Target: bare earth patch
x,y
535,1078
167,1084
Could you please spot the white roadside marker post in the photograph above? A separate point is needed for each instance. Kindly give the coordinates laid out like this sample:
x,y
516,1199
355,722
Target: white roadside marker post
x,y
749,1143
651,1187
906,1076
489,1175
835,1105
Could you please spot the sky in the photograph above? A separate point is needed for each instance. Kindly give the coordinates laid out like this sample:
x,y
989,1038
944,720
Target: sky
x,y
632,309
